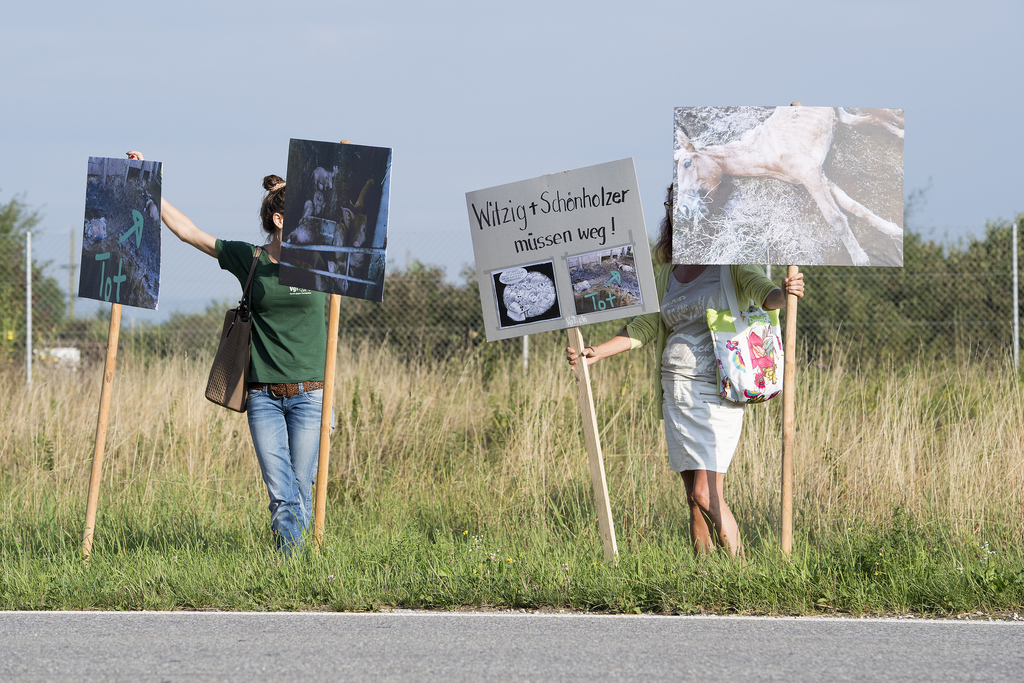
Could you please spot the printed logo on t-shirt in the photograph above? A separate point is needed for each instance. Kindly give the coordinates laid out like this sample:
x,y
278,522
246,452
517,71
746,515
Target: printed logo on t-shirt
x,y
678,312
298,290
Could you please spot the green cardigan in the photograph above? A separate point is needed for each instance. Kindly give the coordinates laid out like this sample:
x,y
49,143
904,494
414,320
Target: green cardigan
x,y
751,285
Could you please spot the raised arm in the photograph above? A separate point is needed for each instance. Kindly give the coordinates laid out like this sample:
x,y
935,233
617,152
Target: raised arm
x,y
180,224
186,230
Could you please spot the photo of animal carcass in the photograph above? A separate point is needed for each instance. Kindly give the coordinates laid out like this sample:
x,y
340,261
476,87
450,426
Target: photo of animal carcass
x,y
788,185
526,294
335,218
121,236
603,280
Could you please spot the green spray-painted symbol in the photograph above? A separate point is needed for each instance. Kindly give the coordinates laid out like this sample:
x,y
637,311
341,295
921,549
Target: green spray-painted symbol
x,y
136,228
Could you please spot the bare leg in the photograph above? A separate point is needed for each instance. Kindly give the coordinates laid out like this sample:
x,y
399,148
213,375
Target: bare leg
x,y
700,531
704,497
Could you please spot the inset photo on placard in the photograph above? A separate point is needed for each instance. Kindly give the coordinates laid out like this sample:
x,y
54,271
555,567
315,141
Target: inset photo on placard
x,y
121,236
603,280
526,294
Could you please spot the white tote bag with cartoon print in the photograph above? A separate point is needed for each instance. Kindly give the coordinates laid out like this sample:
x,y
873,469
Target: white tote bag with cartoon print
x,y
748,346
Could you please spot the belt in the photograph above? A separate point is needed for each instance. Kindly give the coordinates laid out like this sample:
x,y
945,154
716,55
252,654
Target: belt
x,y
287,390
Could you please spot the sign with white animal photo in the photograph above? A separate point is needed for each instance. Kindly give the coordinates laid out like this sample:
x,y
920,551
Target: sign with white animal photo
x,y
562,250
121,241
336,218
788,186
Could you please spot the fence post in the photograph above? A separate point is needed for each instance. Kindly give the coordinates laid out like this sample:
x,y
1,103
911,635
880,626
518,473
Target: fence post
x,y
71,279
526,352
28,308
1016,309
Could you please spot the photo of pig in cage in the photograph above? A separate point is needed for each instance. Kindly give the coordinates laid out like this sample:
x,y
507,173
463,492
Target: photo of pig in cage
x,y
335,218
526,294
121,236
603,280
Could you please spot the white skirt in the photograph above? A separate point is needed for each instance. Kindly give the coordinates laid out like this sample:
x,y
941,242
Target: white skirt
x,y
702,428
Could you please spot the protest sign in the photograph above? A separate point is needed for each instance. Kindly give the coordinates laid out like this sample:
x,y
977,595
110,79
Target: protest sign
x,y
334,240
335,218
557,252
562,250
121,266
785,185
121,240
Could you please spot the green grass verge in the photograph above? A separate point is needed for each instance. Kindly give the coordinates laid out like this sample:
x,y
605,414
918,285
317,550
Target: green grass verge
x,y
174,560
464,482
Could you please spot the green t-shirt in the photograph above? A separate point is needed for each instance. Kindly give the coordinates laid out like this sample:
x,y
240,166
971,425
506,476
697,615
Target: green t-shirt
x,y
289,329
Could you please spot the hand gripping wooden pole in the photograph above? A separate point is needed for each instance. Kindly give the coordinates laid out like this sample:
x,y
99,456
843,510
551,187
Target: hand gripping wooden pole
x,y
320,508
788,421
101,429
593,441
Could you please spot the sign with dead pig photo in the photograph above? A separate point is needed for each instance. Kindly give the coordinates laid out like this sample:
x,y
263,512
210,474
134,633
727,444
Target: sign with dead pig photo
x,y
121,239
562,250
335,218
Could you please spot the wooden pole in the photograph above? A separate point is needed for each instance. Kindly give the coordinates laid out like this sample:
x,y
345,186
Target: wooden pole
x,y
101,429
593,441
320,508
788,422
71,277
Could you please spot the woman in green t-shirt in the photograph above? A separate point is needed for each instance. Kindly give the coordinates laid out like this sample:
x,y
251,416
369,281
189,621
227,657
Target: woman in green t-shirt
x,y
286,373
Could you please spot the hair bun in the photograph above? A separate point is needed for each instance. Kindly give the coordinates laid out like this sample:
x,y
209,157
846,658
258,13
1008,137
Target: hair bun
x,y
272,183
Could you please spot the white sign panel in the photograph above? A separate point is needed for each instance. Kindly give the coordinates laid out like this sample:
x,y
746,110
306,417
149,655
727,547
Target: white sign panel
x,y
563,250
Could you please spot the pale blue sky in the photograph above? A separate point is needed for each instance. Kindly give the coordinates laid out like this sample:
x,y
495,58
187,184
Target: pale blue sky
x,y
473,94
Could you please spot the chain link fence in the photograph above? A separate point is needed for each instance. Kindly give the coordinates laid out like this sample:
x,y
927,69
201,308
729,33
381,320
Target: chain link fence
x,y
942,301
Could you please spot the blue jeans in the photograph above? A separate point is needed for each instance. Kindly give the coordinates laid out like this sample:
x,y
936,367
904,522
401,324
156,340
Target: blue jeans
x,y
286,435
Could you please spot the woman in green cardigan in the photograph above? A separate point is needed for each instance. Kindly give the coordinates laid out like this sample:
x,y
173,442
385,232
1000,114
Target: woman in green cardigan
x,y
701,428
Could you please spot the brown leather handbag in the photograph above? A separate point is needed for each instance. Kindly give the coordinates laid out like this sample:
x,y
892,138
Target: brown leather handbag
x,y
226,385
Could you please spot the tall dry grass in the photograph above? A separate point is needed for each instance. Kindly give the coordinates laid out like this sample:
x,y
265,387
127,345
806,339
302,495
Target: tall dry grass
x,y
476,442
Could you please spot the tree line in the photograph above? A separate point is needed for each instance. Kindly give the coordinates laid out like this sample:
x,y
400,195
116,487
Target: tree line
x,y
945,299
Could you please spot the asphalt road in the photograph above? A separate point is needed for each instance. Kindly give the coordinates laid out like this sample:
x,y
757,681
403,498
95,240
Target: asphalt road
x,y
418,646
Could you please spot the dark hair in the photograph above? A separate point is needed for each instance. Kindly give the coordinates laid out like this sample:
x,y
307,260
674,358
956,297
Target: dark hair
x,y
663,248
273,202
